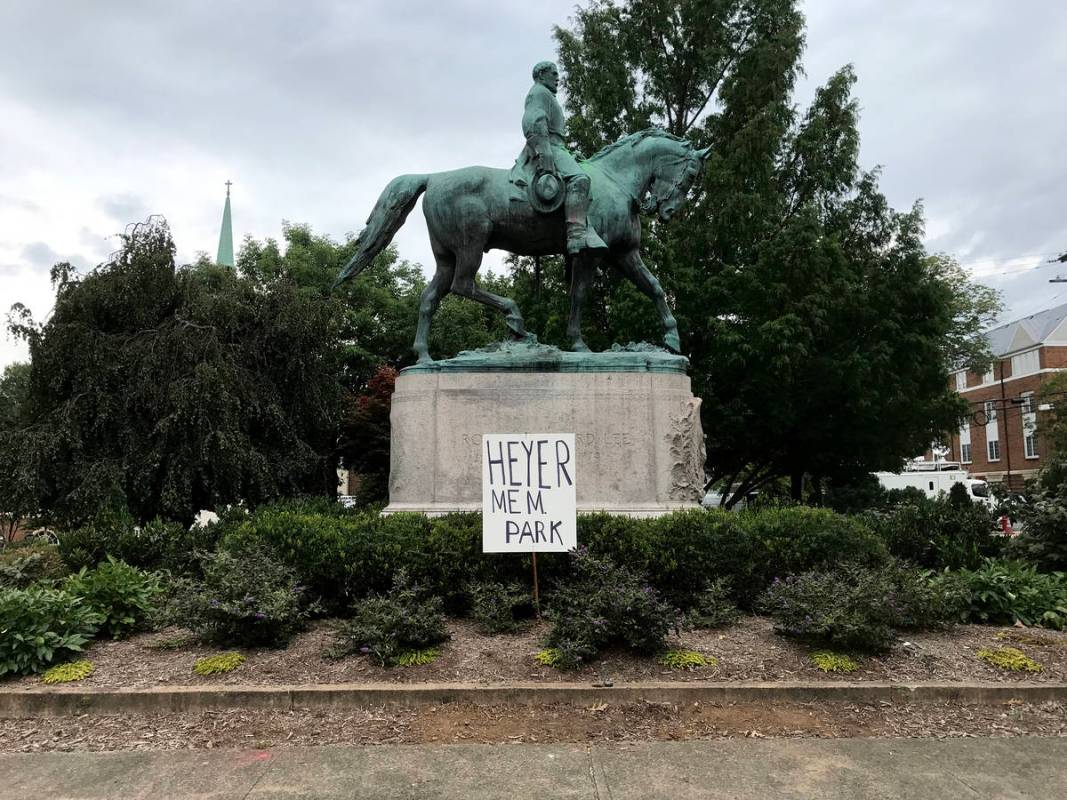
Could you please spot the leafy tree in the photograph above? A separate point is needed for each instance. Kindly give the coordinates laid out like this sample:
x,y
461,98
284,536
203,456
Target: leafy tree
x,y
380,307
174,389
364,445
820,332
14,386
379,312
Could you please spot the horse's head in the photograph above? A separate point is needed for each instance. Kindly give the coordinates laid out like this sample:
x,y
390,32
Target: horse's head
x,y
673,174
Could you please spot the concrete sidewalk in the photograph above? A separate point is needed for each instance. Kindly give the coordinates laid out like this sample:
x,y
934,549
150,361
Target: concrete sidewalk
x,y
849,769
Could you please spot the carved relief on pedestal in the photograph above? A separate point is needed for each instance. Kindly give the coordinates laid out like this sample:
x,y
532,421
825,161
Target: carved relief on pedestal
x,y
686,439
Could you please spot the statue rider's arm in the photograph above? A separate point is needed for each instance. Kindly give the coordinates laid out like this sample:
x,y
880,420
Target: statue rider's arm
x,y
535,128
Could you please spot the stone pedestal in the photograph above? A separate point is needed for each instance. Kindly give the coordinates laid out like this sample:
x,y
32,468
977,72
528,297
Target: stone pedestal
x,y
640,447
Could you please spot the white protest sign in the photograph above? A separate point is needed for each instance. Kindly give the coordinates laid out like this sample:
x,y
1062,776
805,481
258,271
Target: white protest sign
x,y
529,503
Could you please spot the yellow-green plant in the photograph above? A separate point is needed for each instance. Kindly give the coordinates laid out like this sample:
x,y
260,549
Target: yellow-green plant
x,y
686,659
218,664
549,657
71,671
833,662
417,658
1009,658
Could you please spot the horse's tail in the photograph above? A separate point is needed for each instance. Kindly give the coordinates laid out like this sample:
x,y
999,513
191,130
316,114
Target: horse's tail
x,y
385,220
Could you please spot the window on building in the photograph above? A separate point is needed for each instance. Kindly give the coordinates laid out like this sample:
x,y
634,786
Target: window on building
x,y
961,381
1029,415
988,377
1025,363
992,431
965,441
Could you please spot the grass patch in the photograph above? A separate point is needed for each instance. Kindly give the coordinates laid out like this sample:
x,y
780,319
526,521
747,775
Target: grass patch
x,y
71,671
172,642
418,658
218,664
686,659
1009,658
827,661
1024,637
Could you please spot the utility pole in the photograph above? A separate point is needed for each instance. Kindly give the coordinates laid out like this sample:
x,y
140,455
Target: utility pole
x,y
1007,433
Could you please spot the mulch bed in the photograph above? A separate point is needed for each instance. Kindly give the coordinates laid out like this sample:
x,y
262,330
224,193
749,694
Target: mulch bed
x,y
461,723
749,650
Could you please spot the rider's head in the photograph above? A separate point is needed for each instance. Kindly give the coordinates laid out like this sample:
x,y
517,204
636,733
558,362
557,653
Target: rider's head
x,y
545,73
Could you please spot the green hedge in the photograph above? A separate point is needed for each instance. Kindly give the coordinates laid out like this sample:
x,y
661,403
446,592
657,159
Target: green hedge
x,y
344,557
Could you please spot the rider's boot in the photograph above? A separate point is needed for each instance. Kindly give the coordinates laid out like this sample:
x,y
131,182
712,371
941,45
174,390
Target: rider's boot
x,y
580,235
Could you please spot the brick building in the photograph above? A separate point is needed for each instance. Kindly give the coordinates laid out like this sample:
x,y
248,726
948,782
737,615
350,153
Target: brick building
x,y
1001,441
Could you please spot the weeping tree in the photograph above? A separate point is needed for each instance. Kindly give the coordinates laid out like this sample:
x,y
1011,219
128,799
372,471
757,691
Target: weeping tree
x,y
170,389
820,331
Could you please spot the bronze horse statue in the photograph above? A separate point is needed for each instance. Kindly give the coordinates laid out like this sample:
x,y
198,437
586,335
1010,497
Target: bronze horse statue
x,y
469,211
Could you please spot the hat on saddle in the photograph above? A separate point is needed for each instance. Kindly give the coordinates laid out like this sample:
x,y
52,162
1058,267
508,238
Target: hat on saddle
x,y
546,191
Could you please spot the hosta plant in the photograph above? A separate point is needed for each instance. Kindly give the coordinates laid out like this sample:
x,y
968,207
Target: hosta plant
x,y
41,626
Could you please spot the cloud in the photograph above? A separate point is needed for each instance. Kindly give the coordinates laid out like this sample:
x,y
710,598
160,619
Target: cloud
x,y
38,255
113,111
124,208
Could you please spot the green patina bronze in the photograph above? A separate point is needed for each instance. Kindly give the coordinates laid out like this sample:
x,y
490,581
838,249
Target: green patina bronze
x,y
530,356
469,211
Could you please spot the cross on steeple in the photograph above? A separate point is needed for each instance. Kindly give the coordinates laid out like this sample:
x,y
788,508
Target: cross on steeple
x,y
228,185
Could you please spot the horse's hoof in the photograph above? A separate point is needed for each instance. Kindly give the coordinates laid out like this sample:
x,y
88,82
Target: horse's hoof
x,y
424,358
673,343
580,347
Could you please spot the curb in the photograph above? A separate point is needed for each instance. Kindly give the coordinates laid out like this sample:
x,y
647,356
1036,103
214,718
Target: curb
x,y
62,701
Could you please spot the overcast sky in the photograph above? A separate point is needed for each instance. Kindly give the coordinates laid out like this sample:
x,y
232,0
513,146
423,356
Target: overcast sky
x,y
110,111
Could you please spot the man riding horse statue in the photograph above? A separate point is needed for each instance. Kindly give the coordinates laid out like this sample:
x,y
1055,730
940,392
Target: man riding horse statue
x,y
472,210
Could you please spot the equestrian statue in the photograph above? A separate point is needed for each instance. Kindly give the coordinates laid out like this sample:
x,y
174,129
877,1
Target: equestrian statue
x,y
549,203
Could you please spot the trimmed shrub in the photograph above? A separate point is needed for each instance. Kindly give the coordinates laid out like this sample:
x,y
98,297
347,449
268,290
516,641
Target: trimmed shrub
x,y
853,608
40,626
494,606
124,596
158,545
800,539
1044,539
316,547
605,604
713,607
944,533
405,619
1003,592
24,564
245,598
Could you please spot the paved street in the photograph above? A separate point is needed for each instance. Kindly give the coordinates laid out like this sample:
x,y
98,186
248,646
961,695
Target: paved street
x,y
849,769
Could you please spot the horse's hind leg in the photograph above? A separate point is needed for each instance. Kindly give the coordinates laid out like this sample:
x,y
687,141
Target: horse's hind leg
x,y
467,263
431,298
582,268
631,265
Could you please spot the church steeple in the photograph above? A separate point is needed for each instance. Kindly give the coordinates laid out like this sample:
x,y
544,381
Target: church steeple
x,y
225,256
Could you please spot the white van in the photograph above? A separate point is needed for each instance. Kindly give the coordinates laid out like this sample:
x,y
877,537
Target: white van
x,y
934,477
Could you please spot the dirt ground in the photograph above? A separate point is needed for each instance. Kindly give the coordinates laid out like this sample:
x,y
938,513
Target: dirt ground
x,y
504,724
749,650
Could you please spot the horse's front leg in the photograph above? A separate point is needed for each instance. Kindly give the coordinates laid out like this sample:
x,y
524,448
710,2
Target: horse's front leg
x,y
631,265
582,269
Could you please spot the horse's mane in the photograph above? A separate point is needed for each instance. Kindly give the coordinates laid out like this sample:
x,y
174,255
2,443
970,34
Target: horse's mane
x,y
633,139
